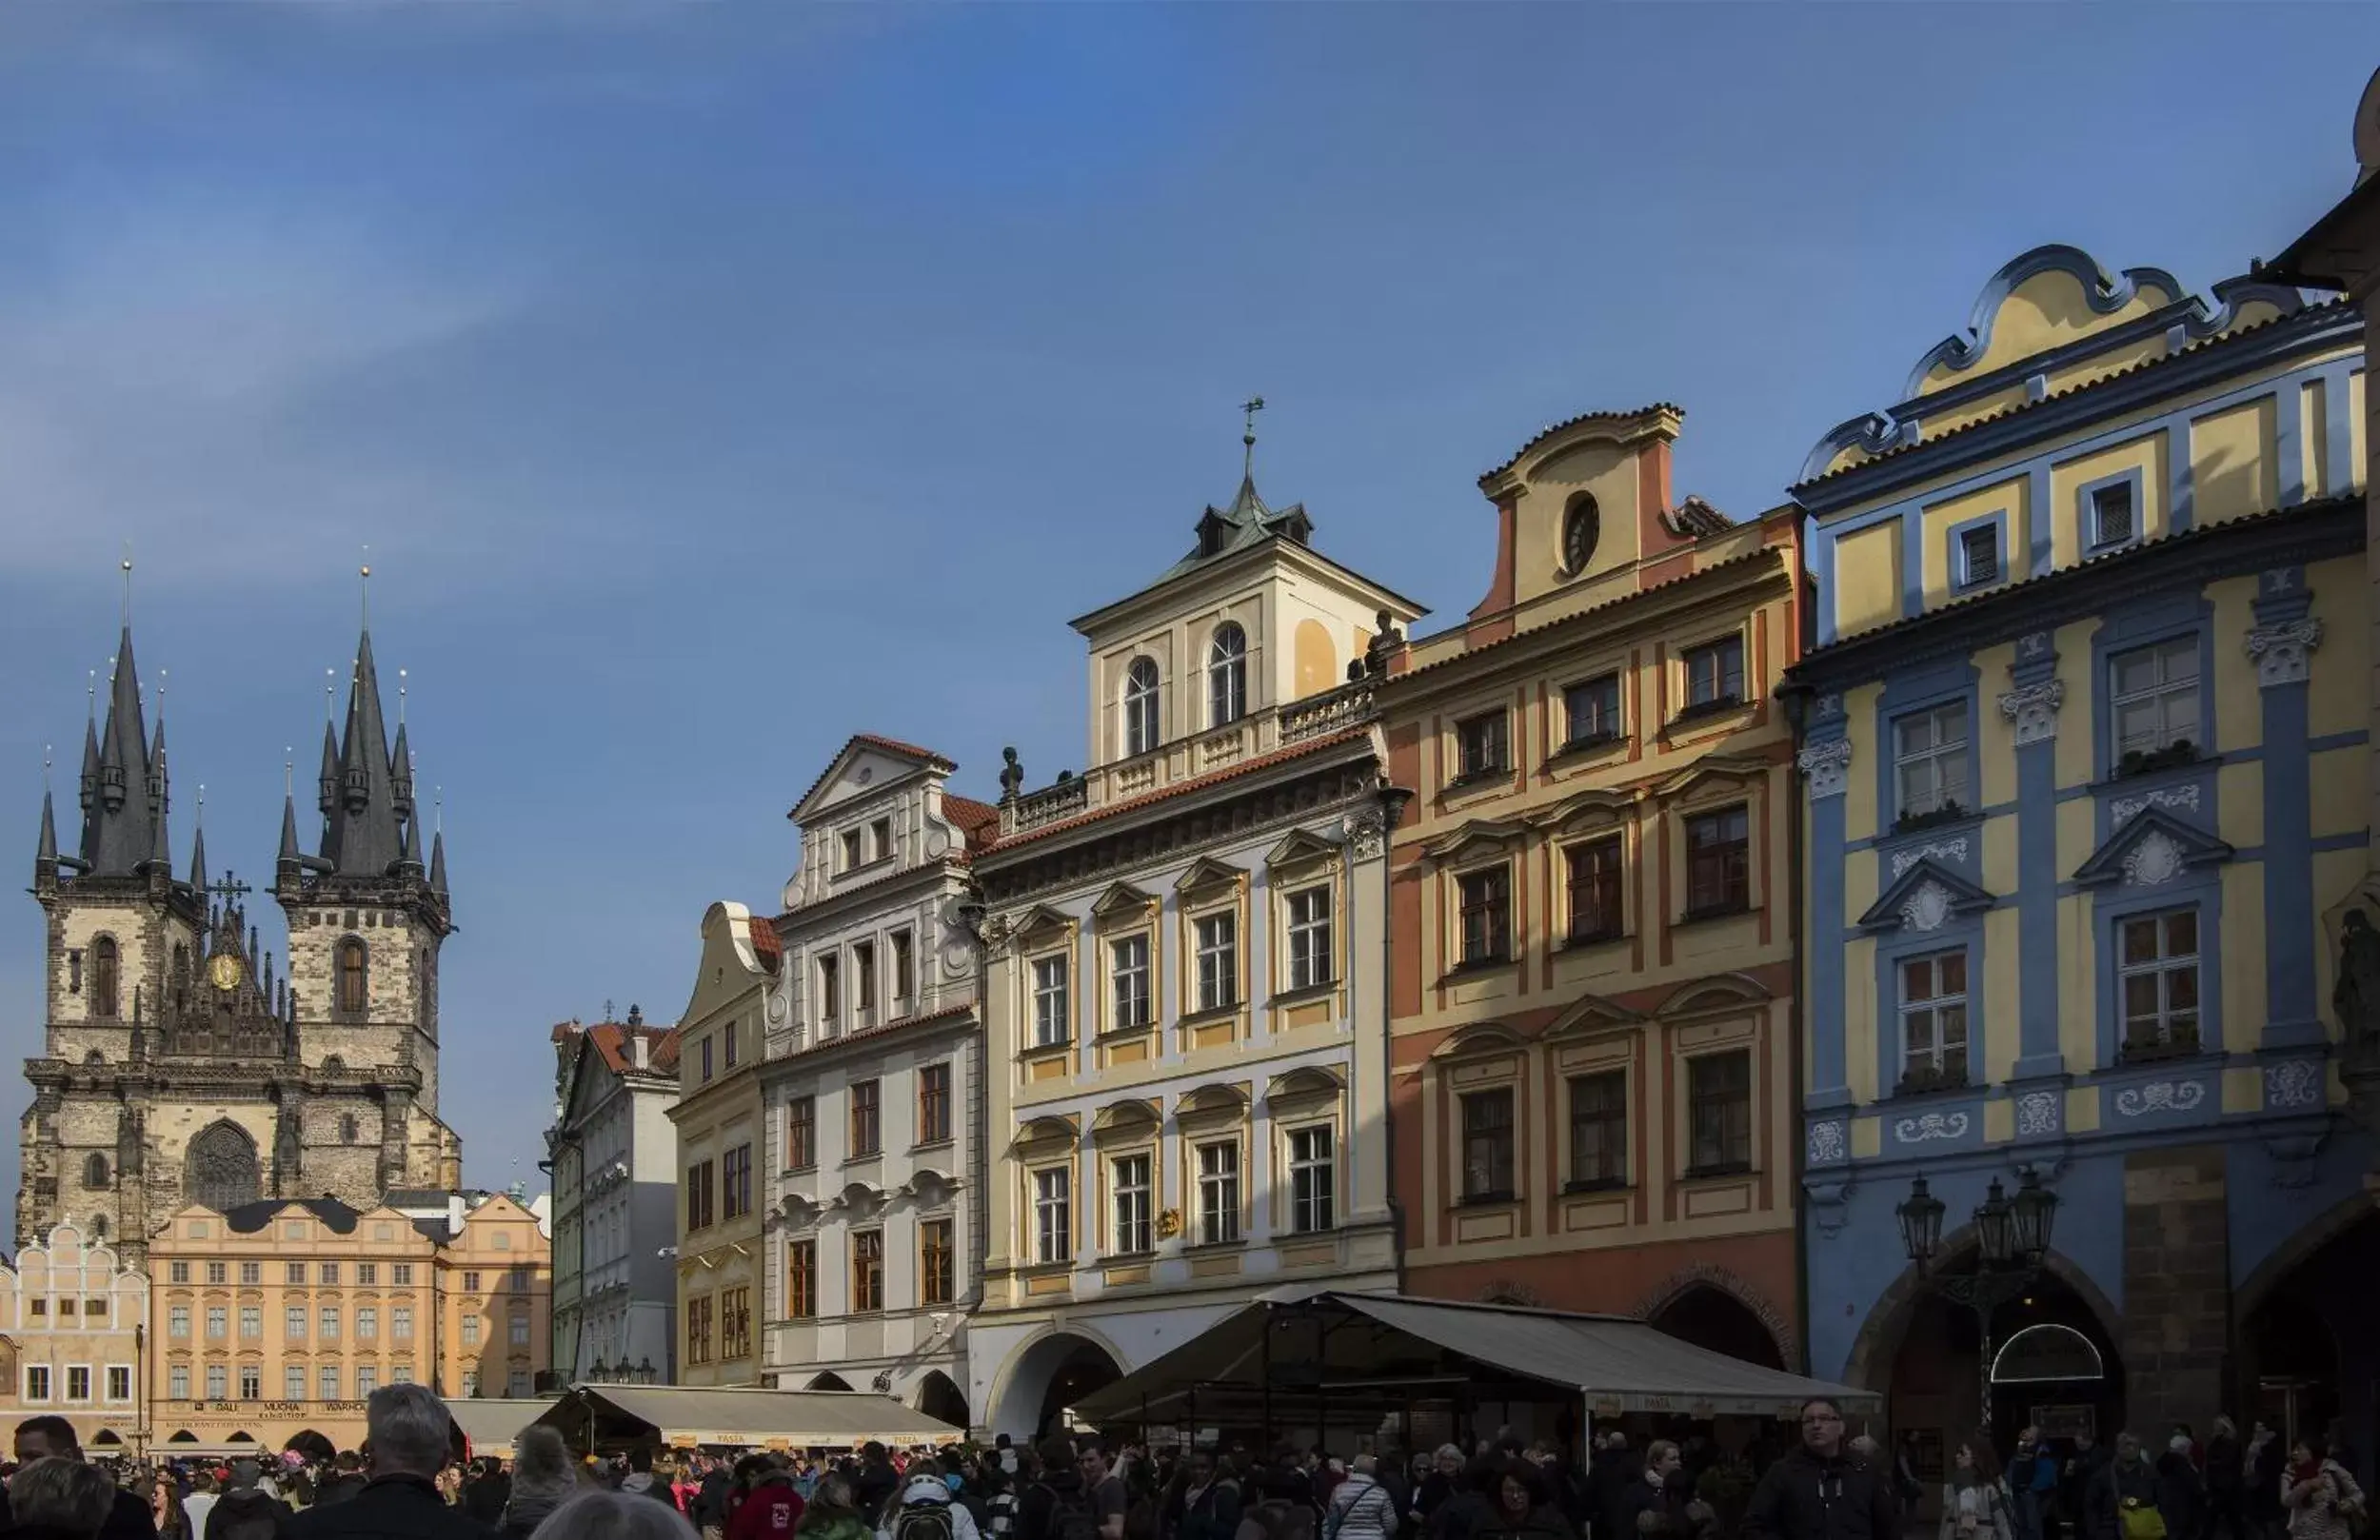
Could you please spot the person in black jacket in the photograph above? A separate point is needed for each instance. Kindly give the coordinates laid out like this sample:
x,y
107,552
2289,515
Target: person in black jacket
x,y
53,1437
2227,1482
1819,1492
410,1431
2127,1481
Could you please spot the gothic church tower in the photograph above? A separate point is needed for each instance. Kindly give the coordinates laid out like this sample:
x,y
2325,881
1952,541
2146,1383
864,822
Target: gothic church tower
x,y
176,1066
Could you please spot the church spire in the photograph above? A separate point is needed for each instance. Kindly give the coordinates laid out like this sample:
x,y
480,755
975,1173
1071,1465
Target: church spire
x,y
438,863
364,837
121,833
45,854
198,848
290,855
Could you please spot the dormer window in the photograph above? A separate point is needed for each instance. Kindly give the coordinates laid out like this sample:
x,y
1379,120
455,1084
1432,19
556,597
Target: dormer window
x,y
1141,714
1227,676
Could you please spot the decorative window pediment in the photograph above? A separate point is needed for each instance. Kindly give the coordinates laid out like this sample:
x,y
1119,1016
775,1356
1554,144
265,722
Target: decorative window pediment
x,y
1593,809
1925,897
1212,1104
1718,776
1044,1137
1721,991
1590,1013
1122,1121
1479,1040
1124,901
1040,925
1479,837
1303,848
2154,847
1302,1088
1205,875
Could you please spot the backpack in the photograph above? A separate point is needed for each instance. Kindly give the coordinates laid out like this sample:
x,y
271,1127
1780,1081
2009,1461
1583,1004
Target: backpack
x,y
922,1521
1070,1516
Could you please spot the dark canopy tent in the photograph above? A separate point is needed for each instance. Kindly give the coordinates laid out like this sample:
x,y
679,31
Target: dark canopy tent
x,y
1315,1359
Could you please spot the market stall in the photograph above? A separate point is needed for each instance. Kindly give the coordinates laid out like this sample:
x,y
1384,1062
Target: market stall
x,y
491,1424
605,1418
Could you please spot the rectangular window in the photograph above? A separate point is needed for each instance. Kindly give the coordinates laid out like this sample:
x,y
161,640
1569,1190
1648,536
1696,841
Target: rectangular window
x,y
1591,711
293,1273
936,1264
366,1381
401,1274
1051,1025
180,1271
470,1283
2112,518
800,1133
2157,972
1714,674
1978,555
251,1272
327,1323
1929,760
1595,890
367,1323
253,1322
867,1270
218,1382
1128,1188
251,1382
703,1051
78,1382
1934,1021
367,1273
218,1272
293,1323
727,1044
1718,863
1719,1088
933,1104
1053,1214
1482,746
330,1273
401,1374
294,1382
66,1306
1310,938
735,1181
178,1382
2154,698
1128,961
1219,961
36,1382
697,1330
1599,1129
904,965
178,1320
1487,914
880,839
864,975
218,1323
867,1133
470,1330
802,1279
853,857
325,1382
1219,1192
1487,1146
700,1194
119,1382
1312,1184
735,1324
401,1323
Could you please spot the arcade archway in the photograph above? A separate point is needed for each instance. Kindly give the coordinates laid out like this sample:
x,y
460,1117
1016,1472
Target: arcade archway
x,y
1713,1318
2306,1333
829,1381
936,1397
1049,1375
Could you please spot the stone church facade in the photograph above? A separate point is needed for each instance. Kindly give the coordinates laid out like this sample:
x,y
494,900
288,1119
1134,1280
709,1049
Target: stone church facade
x,y
178,1065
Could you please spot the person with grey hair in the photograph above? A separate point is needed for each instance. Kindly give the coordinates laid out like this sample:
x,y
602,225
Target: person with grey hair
x,y
543,1477
410,1434
612,1515
56,1498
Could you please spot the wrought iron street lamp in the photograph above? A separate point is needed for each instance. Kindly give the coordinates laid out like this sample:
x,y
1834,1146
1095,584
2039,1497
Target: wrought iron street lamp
x,y
600,1372
644,1370
2012,1238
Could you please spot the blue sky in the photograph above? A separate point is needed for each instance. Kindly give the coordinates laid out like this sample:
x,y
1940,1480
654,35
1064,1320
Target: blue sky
x,y
710,383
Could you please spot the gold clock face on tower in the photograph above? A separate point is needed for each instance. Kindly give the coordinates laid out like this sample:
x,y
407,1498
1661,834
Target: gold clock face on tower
x,y
224,970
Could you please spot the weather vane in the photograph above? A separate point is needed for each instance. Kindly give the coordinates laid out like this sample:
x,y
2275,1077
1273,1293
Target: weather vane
x,y
1247,436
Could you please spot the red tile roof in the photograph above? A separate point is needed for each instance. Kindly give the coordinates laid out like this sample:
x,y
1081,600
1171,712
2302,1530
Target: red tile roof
x,y
891,745
611,1038
1213,778
979,821
767,945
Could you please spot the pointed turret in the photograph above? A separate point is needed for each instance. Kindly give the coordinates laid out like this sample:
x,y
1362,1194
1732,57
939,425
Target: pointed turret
x,y
90,765
401,772
365,837
290,855
45,854
157,791
410,862
438,863
198,861
121,834
330,770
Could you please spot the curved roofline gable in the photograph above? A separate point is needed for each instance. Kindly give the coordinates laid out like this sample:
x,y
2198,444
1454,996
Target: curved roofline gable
x,y
2105,295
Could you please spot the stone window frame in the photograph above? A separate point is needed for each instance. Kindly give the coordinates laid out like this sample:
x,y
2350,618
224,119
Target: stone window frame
x,y
341,950
105,1004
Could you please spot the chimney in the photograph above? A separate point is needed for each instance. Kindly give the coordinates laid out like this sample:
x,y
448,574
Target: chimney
x,y
643,1050
454,1214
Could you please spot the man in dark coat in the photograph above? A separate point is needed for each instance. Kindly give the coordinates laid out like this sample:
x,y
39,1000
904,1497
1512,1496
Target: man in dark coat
x,y
1819,1491
412,1434
53,1437
345,1484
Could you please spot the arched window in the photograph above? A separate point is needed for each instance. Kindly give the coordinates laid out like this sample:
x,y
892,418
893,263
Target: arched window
x,y
355,977
103,976
1141,728
346,1127
219,1170
1582,525
99,1227
1226,675
95,1173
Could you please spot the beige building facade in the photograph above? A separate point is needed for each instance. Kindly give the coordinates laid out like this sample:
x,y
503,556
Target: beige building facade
x,y
1186,1018
719,1266
70,1314
495,1282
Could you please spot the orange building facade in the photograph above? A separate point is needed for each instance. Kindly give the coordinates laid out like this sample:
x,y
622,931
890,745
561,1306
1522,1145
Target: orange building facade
x,y
1591,1005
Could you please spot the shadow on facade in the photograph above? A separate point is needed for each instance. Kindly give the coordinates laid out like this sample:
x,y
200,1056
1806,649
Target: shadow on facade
x,y
2307,1342
1053,1374
1711,1317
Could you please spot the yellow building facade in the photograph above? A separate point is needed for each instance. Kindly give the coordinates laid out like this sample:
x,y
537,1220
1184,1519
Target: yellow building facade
x,y
1592,977
720,1264
2085,753
495,1302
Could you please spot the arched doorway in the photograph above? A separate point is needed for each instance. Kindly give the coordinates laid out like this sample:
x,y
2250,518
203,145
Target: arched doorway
x,y
2308,1334
938,1398
1711,1317
829,1382
1051,1374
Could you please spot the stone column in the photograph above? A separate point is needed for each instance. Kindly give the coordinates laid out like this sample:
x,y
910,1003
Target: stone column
x,y
2177,1291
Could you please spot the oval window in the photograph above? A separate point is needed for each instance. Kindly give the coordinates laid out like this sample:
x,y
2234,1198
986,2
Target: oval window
x,y
1582,526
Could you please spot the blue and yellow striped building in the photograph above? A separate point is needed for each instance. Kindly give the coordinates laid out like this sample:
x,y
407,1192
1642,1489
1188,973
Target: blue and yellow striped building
x,y
2085,757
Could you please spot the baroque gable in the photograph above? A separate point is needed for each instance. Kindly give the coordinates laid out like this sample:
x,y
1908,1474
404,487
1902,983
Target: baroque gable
x,y
1924,898
2151,847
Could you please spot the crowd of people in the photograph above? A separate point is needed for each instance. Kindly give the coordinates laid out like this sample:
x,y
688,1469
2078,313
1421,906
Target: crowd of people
x,y
406,1485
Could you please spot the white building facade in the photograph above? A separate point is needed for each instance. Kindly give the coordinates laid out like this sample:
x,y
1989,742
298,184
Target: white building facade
x,y
614,1155
871,1083
1185,1004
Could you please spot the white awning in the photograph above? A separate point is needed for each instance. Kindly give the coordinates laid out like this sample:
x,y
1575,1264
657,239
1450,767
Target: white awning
x,y
685,1416
493,1423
